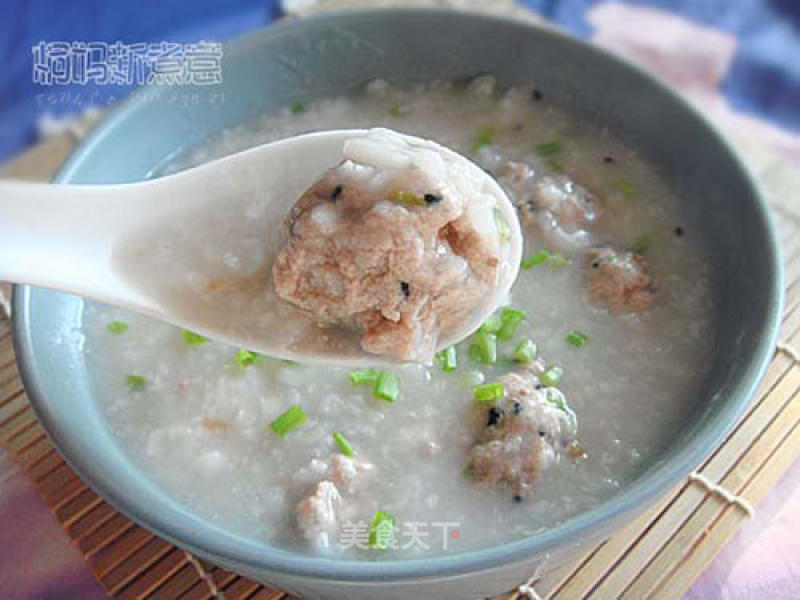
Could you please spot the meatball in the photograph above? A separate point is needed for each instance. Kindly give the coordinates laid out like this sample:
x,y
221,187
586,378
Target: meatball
x,y
398,242
556,207
522,434
346,472
618,280
316,514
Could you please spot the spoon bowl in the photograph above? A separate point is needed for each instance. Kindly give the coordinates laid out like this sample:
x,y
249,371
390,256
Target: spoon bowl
x,y
195,248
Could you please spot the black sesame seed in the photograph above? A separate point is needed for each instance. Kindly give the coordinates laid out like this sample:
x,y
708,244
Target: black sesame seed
x,y
337,191
595,265
517,408
405,288
608,159
432,198
495,416
517,498
542,433
538,386
679,231
537,95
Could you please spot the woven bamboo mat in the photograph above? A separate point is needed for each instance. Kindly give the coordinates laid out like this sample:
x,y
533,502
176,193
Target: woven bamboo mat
x,y
656,556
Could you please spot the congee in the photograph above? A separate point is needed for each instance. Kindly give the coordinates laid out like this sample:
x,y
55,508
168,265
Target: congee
x,y
572,388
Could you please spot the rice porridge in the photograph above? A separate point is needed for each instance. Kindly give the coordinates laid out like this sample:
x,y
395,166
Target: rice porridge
x,y
569,391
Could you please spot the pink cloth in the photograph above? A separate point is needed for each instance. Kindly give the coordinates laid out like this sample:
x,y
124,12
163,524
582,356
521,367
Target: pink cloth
x,y
37,559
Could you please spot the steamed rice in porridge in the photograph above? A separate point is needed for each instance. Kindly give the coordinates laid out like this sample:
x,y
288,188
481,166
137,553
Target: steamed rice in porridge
x,y
564,395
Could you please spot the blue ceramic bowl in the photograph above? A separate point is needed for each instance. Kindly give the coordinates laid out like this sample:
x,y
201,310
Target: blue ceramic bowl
x,y
332,54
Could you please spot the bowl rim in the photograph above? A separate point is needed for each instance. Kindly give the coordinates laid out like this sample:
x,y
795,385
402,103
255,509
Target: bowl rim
x,y
634,498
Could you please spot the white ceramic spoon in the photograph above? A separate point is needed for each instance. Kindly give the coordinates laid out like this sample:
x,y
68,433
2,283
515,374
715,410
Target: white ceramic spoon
x,y
195,248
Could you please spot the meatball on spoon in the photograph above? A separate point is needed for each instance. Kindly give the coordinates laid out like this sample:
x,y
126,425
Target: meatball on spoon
x,y
348,247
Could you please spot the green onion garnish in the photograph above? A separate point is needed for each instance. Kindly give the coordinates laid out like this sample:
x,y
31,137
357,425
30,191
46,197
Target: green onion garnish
x,y
448,358
381,532
577,339
627,189
551,376
555,165
503,230
395,111
483,137
117,327
474,353
293,417
557,261
297,108
407,198
246,358
557,399
193,339
548,148
537,259
363,376
492,324
512,317
387,387
344,446
525,352
487,347
488,392
136,382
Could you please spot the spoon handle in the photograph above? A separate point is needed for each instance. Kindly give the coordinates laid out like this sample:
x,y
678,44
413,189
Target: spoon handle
x,y
60,237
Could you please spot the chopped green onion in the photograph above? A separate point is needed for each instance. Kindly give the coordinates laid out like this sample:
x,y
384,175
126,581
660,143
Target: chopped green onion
x,y
577,339
387,387
627,189
474,353
469,471
117,327
488,392
363,376
557,261
557,399
381,532
407,198
525,351
193,339
395,111
555,165
293,417
483,137
492,324
539,258
503,230
285,361
298,107
136,382
551,376
344,445
548,148
641,243
512,317
487,347
448,358
246,358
